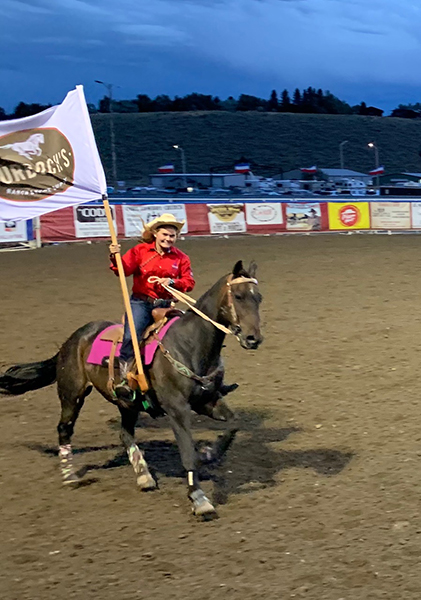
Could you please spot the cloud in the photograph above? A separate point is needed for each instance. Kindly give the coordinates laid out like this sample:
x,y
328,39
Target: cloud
x,y
218,46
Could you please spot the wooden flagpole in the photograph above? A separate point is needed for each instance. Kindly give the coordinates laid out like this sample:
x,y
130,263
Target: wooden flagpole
x,y
140,377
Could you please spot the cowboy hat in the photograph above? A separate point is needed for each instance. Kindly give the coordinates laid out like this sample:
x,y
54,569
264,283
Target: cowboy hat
x,y
164,220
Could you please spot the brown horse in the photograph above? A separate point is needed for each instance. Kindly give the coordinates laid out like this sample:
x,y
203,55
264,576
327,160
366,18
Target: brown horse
x,y
187,375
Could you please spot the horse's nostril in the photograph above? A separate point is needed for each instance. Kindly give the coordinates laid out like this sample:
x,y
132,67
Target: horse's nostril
x,y
250,338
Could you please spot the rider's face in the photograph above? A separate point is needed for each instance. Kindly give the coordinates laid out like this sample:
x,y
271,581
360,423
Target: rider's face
x,y
165,237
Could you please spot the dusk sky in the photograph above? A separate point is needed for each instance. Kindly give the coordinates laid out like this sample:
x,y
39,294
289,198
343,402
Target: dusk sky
x,y
358,49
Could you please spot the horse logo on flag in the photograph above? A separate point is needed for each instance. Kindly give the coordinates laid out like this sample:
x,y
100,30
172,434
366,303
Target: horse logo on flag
x,y
29,147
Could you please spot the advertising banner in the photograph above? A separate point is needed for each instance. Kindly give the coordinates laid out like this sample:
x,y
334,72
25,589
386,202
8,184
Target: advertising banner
x,y
134,214
416,215
349,215
91,221
302,216
13,231
390,215
226,218
266,213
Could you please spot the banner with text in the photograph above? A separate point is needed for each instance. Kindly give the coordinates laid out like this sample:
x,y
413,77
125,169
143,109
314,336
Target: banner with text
x,y
390,215
226,218
13,231
266,213
91,221
134,214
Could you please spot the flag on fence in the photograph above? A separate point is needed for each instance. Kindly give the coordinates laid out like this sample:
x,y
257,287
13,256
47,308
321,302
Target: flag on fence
x,y
166,169
242,168
310,170
378,171
49,161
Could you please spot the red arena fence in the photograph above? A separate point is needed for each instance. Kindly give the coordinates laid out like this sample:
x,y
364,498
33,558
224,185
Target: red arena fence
x,y
223,217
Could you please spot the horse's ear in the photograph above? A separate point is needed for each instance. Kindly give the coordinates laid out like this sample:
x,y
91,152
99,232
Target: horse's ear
x,y
252,269
238,269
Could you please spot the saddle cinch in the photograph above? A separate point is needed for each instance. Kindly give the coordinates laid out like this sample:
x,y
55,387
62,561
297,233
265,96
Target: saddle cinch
x,y
115,336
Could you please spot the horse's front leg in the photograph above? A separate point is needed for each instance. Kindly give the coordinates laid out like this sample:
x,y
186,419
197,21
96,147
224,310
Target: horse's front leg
x,y
179,414
128,422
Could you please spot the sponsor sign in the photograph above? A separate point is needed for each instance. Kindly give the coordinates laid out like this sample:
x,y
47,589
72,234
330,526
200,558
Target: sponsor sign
x,y
226,218
13,231
134,216
416,215
91,221
390,215
348,215
267,213
302,216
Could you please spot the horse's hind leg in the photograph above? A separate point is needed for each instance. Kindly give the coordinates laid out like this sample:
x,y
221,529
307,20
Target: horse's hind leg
x,y
128,422
72,400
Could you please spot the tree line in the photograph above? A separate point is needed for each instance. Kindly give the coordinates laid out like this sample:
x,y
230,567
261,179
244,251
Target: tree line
x,y
307,101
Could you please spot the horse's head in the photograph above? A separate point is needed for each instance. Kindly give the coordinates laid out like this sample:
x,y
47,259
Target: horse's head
x,y
242,305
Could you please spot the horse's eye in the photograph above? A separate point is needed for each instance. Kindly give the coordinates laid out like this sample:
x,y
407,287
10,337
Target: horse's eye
x,y
238,296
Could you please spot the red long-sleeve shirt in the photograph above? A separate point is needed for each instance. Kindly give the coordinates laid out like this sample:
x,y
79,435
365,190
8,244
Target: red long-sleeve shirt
x,y
143,261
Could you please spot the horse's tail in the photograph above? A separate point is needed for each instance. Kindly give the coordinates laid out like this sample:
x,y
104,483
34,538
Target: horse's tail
x,y
29,376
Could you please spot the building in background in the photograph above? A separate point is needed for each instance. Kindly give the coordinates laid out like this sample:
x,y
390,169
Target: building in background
x,y
198,180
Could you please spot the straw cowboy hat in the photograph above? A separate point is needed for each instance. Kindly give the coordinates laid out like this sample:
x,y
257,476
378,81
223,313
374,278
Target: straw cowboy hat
x,y
166,219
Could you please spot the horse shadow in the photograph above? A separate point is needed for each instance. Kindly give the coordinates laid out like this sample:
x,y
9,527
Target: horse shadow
x,y
254,462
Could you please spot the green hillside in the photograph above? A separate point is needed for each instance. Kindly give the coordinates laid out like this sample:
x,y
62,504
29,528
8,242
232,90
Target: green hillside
x,y
274,141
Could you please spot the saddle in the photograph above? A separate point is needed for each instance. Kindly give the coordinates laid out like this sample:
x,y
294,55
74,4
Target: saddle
x,y
160,317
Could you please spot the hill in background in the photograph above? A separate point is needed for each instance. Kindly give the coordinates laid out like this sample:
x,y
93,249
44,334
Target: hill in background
x,y
272,142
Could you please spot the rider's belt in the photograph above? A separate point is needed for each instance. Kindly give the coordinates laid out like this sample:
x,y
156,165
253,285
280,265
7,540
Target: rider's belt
x,y
146,298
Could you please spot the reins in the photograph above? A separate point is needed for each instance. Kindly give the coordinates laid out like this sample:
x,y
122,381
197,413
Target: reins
x,y
190,302
182,369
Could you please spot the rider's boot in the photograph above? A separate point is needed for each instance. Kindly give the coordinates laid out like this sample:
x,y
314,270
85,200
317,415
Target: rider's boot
x,y
123,390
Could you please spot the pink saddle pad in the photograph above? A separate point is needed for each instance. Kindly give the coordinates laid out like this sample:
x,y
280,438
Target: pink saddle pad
x,y
101,349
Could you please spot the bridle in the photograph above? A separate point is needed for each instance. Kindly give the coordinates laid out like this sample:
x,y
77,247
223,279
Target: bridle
x,y
235,323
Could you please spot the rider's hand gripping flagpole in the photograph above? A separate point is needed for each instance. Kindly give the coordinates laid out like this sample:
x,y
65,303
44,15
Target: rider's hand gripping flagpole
x,y
140,377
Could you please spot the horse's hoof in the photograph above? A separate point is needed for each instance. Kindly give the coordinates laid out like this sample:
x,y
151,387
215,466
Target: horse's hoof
x,y
146,482
71,479
202,507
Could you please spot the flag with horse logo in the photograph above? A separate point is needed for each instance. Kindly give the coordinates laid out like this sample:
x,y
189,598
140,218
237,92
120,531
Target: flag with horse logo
x,y
49,161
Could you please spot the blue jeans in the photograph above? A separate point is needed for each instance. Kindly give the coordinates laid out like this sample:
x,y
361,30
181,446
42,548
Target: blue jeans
x,y
142,316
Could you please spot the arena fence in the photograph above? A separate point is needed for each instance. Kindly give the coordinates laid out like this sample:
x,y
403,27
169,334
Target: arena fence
x,y
220,217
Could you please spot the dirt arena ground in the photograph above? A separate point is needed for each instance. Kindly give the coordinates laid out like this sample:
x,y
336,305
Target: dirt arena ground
x,y
319,496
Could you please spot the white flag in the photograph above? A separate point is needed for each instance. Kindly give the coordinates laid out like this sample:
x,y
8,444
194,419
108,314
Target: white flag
x,y
49,161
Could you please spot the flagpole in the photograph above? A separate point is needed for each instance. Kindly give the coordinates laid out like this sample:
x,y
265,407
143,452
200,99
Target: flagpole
x,y
140,377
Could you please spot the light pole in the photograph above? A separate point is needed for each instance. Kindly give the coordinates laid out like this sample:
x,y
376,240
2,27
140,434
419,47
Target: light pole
x,y
109,88
183,162
341,153
376,158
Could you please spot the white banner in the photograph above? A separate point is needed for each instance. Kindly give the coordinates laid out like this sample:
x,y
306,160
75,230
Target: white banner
x,y
226,218
390,215
133,215
416,214
13,231
267,213
49,161
91,221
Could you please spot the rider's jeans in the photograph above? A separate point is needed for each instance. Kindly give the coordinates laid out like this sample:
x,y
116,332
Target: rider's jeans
x,y
142,316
